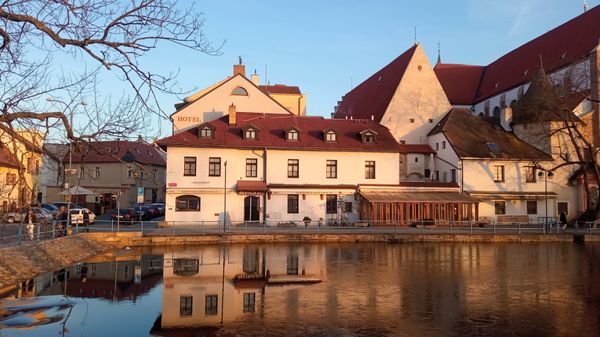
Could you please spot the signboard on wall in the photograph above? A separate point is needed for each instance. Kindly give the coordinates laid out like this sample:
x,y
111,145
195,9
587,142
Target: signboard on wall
x,y
140,195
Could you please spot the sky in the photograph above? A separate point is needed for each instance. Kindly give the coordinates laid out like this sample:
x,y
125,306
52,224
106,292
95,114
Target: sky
x,y
326,47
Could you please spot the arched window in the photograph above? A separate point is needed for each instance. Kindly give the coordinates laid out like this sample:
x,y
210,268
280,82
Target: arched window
x,y
330,136
496,112
187,203
512,103
239,91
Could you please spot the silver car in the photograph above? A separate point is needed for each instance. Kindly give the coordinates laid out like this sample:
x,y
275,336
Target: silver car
x,y
39,214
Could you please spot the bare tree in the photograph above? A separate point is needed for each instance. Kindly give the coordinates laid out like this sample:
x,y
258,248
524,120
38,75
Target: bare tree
x,y
102,37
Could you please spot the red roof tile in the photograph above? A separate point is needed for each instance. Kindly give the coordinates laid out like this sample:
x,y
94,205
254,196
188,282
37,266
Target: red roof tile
x,y
416,148
460,81
280,89
372,97
117,151
271,134
415,184
7,158
251,186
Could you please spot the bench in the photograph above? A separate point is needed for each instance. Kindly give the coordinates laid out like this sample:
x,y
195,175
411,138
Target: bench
x,y
512,219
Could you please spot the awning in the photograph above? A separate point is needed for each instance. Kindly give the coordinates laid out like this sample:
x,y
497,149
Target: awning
x,y
251,186
512,195
77,190
389,196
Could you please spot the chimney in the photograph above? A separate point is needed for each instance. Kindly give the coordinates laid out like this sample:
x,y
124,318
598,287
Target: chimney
x,y
255,78
232,114
595,93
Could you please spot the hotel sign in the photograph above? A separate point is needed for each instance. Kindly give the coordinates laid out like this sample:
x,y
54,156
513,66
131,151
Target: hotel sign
x,y
189,119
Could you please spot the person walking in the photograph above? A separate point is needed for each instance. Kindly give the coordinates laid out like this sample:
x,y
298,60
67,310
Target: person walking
x,y
29,220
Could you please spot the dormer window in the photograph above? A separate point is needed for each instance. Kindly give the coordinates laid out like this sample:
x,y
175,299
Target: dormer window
x,y
250,134
206,131
239,91
292,135
330,136
368,136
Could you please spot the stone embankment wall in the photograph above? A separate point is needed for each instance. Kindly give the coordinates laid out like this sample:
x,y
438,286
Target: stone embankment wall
x,y
21,263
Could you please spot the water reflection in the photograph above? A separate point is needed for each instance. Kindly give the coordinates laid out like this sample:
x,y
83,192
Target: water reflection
x,y
340,290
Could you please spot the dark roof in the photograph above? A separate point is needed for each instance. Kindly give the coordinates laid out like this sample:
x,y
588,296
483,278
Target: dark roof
x,y
372,97
7,158
416,148
280,89
459,81
117,151
271,134
473,137
559,47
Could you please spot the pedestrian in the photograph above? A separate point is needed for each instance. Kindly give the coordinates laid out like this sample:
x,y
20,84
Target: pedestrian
x,y
29,220
563,220
62,218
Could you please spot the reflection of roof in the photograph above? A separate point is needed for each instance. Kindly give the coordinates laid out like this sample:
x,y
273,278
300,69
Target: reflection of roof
x,y
474,137
158,330
271,130
372,97
125,290
280,89
118,151
559,47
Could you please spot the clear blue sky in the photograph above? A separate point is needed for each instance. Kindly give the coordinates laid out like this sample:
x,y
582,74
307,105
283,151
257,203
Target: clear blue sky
x,y
321,45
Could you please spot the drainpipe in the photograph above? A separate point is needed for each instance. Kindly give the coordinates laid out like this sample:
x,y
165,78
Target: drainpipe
x,y
265,180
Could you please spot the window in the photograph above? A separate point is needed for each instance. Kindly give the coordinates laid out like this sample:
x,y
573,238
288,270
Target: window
x,y
293,168
186,267
250,134
348,207
430,120
206,132
251,167
331,204
500,207
189,166
11,178
416,159
214,166
330,136
30,165
154,173
486,108
496,112
369,169
562,207
185,305
437,146
37,167
187,203
427,173
331,169
292,135
239,91
211,304
368,138
532,207
129,173
499,173
142,174
443,144
445,176
249,302
97,172
292,203
437,175
530,174
453,175
292,265
411,120
81,172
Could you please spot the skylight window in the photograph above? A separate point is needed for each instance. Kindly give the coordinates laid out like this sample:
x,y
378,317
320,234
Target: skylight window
x,y
493,147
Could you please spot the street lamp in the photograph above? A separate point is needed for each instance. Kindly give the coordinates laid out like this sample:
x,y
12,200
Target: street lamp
x,y
225,197
70,171
546,174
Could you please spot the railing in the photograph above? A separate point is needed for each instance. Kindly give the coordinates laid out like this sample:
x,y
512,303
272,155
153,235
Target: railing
x,y
20,233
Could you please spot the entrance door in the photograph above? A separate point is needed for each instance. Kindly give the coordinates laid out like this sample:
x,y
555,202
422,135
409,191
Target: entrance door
x,y
251,208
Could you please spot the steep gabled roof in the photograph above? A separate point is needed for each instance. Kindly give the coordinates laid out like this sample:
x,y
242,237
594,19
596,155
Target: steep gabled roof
x,y
117,151
372,97
272,134
564,45
475,137
460,81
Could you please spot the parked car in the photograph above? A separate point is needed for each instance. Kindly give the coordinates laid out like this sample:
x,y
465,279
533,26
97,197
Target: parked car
x,y
60,204
124,214
144,213
39,214
50,208
77,216
158,206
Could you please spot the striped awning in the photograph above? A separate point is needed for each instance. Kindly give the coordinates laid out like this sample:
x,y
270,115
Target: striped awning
x,y
390,196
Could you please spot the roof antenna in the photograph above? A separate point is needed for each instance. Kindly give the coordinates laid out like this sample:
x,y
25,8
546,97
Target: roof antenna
x,y
240,60
267,75
585,6
439,60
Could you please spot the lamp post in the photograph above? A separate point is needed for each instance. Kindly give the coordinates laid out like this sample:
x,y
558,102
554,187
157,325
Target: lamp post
x,y
70,170
225,197
546,174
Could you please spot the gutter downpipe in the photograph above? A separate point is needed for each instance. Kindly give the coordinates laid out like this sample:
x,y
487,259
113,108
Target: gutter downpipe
x,y
265,179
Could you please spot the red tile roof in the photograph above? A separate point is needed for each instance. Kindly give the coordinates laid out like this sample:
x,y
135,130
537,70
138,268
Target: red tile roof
x,y
271,134
7,158
372,97
414,184
460,81
117,151
251,186
559,47
416,148
280,89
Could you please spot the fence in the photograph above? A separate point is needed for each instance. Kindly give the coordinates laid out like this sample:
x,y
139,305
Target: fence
x,y
23,233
